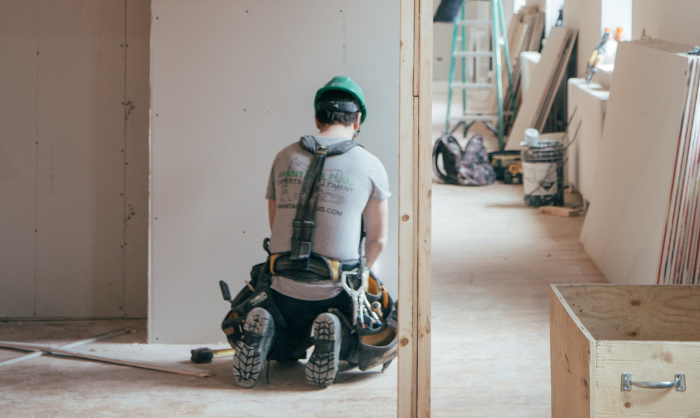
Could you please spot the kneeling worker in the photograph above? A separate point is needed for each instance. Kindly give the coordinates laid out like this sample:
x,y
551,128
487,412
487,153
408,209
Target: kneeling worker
x,y
316,288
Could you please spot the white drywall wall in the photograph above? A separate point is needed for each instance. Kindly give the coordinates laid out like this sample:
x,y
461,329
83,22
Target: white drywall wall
x,y
232,83
670,20
71,165
591,18
617,14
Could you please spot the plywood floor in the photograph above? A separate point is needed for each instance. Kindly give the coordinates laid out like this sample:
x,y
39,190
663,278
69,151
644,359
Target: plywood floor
x,y
493,259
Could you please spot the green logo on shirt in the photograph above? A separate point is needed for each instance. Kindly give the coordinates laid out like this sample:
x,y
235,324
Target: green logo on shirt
x,y
292,173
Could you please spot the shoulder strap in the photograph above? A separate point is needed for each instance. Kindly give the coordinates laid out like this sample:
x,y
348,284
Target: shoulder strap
x,y
310,144
305,218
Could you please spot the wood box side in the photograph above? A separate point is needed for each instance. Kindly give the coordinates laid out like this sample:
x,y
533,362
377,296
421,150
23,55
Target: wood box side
x,y
641,313
572,365
647,361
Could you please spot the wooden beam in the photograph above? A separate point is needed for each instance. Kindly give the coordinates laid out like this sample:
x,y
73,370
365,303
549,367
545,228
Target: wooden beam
x,y
415,120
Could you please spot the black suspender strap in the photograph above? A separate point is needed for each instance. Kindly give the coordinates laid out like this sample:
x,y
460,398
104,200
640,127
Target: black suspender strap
x,y
305,219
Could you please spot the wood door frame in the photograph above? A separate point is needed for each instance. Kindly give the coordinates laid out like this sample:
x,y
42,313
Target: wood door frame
x,y
415,177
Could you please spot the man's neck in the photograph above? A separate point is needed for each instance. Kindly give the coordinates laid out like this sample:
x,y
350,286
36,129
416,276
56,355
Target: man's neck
x,y
337,130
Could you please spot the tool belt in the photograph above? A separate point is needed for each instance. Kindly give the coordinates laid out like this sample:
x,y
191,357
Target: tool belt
x,y
319,267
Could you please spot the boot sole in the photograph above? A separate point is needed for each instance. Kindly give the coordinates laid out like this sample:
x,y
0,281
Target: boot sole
x,y
322,367
251,350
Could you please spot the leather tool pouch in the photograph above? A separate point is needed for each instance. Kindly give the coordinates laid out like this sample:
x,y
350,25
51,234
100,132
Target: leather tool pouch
x,y
247,299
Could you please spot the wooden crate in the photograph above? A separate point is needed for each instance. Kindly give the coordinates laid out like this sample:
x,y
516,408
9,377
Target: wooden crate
x,y
599,332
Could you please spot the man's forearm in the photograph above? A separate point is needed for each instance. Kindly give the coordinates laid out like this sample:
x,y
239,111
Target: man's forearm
x,y
376,217
372,250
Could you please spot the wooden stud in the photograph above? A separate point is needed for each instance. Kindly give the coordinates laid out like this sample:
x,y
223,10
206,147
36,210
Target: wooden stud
x,y
415,119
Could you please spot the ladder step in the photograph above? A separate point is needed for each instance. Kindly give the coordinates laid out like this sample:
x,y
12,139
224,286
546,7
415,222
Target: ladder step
x,y
473,54
472,86
475,22
468,118
488,113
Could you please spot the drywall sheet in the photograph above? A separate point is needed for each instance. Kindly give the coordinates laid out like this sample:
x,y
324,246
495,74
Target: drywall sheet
x,y
74,158
232,84
542,80
586,108
136,121
18,90
80,263
624,228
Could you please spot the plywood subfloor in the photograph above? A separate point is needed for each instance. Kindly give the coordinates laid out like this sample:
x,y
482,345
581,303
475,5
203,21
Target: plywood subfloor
x,y
493,259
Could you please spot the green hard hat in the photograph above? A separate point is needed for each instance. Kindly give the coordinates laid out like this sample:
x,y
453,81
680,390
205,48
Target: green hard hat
x,y
344,83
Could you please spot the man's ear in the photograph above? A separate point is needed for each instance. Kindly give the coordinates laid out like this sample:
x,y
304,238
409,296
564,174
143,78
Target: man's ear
x,y
358,121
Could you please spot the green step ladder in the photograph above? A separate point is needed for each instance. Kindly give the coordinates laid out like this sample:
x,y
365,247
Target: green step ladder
x,y
499,39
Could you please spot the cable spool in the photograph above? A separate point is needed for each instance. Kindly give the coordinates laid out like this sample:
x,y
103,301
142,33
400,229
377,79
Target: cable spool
x,y
543,173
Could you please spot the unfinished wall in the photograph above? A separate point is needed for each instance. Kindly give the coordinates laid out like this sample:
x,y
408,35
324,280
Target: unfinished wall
x,y
591,18
233,83
74,158
670,20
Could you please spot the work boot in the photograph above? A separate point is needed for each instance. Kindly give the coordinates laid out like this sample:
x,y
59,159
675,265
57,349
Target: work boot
x,y
322,367
252,348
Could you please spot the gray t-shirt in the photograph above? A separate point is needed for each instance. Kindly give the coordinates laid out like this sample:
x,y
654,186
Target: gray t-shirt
x,y
349,181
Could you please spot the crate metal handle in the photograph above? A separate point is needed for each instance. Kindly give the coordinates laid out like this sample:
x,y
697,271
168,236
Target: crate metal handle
x,y
678,383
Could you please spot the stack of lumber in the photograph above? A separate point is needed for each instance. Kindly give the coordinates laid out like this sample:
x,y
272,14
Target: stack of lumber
x,y
643,225
545,83
525,33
